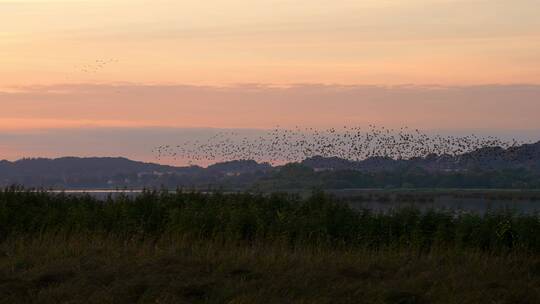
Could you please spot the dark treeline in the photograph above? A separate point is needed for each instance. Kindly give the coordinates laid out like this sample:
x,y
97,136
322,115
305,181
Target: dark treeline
x,y
296,176
319,220
513,168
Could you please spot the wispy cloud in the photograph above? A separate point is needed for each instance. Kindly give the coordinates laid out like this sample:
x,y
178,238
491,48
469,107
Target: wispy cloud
x,y
264,106
219,42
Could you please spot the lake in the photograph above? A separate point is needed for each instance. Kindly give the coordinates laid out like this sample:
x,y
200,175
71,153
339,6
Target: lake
x,y
383,200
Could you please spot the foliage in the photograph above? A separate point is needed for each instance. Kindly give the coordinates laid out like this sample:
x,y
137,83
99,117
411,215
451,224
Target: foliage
x,y
96,269
319,220
300,177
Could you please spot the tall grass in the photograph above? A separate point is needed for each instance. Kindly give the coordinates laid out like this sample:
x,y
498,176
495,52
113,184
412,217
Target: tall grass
x,y
98,269
319,220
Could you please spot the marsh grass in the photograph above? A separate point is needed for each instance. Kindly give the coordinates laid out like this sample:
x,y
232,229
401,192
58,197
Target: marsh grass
x,y
57,269
319,220
243,248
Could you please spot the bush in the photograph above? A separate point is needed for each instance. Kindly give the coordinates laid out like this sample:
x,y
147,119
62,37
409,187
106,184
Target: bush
x,y
243,217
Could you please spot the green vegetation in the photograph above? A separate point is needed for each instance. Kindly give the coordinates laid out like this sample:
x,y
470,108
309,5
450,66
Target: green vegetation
x,y
319,220
245,248
52,269
298,176
241,175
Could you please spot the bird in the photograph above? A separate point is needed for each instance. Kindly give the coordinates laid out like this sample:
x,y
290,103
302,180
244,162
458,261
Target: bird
x,y
377,145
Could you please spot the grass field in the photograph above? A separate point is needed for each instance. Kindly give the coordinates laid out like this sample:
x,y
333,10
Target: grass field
x,y
244,248
108,270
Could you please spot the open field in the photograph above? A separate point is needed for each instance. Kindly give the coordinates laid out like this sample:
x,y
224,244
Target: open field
x,y
161,247
115,270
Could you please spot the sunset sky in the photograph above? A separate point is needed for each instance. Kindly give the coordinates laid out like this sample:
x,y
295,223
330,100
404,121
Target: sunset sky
x,y
171,65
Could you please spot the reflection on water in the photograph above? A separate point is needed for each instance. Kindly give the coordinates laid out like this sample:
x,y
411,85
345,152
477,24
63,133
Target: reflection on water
x,y
469,205
468,201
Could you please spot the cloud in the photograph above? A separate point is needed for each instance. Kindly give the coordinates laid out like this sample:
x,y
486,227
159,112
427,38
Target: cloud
x,y
272,41
265,106
132,142
138,142
131,119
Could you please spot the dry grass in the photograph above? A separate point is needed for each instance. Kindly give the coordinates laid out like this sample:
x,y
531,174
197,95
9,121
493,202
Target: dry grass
x,y
243,248
54,269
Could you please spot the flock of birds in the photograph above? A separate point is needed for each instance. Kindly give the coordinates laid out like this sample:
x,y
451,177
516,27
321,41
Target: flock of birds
x,y
97,65
278,146
92,67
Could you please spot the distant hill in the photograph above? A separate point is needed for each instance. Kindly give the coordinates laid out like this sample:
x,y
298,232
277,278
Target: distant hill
x,y
93,166
237,167
320,163
489,158
75,171
431,171
109,172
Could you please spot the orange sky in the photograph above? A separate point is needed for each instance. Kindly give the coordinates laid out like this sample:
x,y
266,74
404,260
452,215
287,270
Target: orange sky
x,y
500,107
182,64
130,120
270,41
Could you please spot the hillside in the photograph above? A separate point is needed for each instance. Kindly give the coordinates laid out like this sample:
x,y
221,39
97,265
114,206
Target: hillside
x,y
108,172
487,167
93,166
490,158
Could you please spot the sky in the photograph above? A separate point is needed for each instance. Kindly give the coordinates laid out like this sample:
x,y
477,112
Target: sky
x,y
93,67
